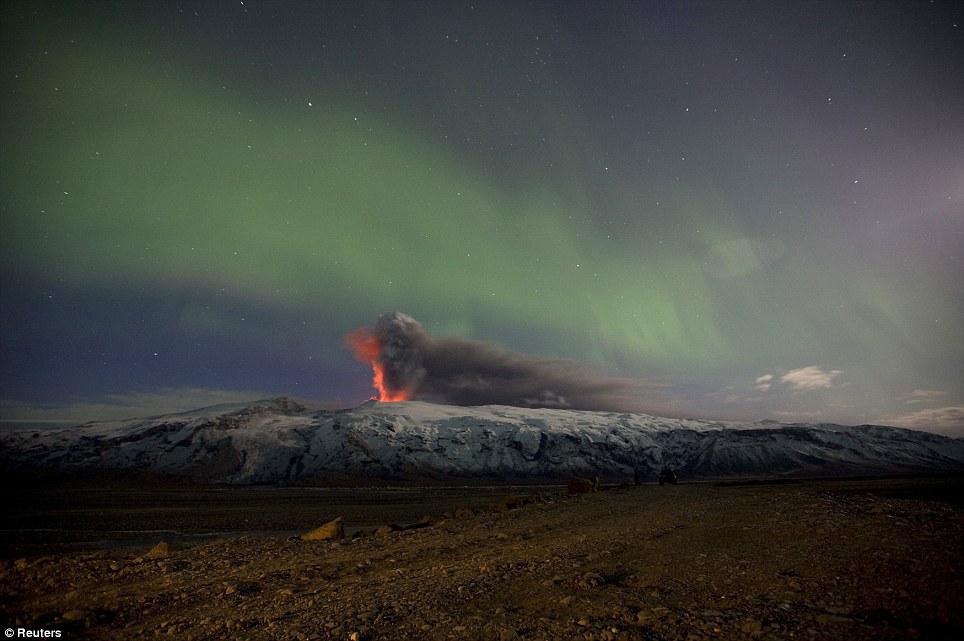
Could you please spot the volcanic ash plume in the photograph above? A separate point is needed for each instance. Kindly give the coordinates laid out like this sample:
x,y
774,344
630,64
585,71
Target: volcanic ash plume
x,y
393,350
408,363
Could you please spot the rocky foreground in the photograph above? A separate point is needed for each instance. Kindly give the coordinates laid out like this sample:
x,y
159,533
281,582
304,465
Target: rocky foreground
x,y
815,560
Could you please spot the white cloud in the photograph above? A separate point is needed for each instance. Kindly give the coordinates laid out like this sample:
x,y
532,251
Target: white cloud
x,y
922,396
927,393
810,378
798,415
763,382
942,420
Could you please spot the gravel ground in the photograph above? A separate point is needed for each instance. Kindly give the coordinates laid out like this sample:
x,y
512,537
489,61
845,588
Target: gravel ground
x,y
817,560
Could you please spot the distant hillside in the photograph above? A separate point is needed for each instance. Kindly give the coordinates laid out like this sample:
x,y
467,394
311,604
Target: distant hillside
x,y
279,441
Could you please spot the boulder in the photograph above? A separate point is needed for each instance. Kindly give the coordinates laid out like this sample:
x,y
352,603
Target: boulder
x,y
580,485
513,503
159,551
331,530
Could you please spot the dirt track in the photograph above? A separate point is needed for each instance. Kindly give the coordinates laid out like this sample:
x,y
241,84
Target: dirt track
x,y
818,560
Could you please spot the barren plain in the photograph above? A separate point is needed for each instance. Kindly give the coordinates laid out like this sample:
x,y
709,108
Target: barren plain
x,y
830,559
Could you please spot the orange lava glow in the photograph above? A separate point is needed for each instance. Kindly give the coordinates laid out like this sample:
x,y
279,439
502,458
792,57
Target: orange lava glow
x,y
367,349
384,395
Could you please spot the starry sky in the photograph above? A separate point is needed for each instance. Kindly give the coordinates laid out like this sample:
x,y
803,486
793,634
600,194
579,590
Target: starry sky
x,y
755,209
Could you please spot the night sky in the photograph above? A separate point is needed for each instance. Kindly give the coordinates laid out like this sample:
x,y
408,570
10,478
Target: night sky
x,y
754,209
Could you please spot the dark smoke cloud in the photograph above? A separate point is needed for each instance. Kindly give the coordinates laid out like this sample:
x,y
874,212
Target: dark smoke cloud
x,y
464,372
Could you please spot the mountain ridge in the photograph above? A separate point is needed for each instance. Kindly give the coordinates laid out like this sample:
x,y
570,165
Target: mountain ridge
x,y
281,441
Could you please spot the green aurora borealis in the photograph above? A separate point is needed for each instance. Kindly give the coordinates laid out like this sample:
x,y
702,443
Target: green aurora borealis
x,y
211,200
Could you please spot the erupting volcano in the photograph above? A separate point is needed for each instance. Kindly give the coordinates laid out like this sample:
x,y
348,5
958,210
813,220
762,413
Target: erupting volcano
x,y
410,364
369,349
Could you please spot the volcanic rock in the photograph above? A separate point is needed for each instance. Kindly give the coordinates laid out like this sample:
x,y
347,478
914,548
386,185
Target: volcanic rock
x,y
579,485
332,530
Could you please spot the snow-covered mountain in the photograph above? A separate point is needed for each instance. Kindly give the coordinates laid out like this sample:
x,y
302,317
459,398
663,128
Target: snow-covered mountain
x,y
281,441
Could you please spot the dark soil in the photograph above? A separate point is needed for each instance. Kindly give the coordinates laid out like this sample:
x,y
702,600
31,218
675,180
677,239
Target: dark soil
x,y
853,559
